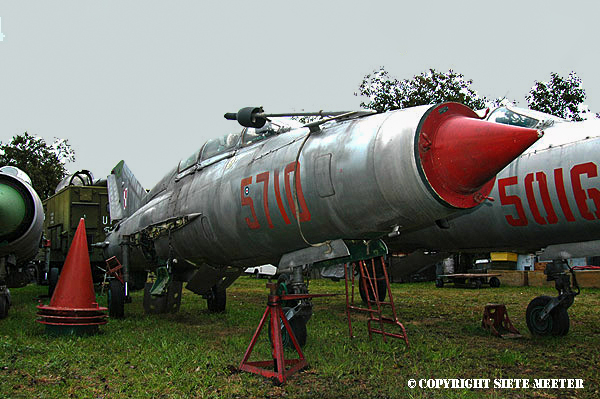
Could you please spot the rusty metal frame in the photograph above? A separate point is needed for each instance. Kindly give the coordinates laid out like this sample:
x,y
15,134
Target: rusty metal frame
x,y
368,281
277,318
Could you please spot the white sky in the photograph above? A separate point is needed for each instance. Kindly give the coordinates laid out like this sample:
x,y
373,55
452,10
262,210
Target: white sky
x,y
149,81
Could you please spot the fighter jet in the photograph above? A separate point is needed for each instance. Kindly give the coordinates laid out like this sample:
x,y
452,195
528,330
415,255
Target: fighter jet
x,y
21,219
547,200
290,194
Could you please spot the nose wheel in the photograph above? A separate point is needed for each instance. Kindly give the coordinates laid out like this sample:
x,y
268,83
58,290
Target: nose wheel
x,y
298,325
556,323
547,315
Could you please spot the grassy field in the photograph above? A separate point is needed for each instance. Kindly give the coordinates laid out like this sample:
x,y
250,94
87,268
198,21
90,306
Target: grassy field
x,y
194,354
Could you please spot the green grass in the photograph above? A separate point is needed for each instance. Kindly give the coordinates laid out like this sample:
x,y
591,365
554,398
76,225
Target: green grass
x,y
194,354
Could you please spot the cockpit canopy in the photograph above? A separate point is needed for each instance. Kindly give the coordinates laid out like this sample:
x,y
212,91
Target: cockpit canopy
x,y
523,117
79,178
230,142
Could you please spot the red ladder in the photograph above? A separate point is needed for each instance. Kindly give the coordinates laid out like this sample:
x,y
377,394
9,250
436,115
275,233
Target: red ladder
x,y
114,268
375,307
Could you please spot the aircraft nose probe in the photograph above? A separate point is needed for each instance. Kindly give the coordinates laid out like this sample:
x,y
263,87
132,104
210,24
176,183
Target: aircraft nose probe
x,y
460,154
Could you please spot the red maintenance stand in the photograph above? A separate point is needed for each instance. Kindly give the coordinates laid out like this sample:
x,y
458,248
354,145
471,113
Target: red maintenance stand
x,y
372,284
280,372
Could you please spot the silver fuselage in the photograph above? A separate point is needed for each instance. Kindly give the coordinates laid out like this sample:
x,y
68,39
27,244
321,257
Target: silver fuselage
x,y
355,179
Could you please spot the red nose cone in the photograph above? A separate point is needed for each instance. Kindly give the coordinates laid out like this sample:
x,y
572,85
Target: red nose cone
x,y
461,154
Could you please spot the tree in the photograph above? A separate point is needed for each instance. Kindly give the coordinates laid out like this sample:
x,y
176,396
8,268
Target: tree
x,y
45,164
386,93
559,97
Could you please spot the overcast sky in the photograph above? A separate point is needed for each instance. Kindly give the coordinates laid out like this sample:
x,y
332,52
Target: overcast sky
x,y
149,82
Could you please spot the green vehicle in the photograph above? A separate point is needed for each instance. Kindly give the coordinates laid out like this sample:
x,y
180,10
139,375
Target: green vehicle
x,y
77,196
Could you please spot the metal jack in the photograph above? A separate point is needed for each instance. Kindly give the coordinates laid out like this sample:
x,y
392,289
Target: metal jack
x,y
280,372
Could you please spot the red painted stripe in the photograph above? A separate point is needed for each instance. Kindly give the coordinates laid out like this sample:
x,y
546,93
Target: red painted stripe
x,y
543,184
559,182
590,170
531,199
304,213
512,200
278,197
264,178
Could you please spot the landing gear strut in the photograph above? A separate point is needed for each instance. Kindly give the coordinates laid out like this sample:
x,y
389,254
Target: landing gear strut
x,y
116,299
216,300
4,301
548,315
297,312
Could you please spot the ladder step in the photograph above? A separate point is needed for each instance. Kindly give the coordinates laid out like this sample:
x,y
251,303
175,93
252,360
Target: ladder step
x,y
387,321
388,334
363,309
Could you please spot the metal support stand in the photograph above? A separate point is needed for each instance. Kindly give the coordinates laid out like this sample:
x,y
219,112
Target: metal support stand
x,y
496,321
280,372
375,307
114,269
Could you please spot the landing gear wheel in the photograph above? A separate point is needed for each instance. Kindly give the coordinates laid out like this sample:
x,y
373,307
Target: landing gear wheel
x,y
439,283
283,282
52,280
561,321
381,286
298,325
3,306
532,316
137,280
494,282
217,300
556,324
116,299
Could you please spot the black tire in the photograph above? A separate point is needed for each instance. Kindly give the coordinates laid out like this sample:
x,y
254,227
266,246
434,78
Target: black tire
x,y
33,273
534,324
116,299
137,280
3,306
494,282
477,283
379,278
560,318
217,300
439,283
298,325
557,324
52,280
381,289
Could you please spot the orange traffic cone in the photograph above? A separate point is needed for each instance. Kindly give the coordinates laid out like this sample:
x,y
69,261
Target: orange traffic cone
x,y
73,308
